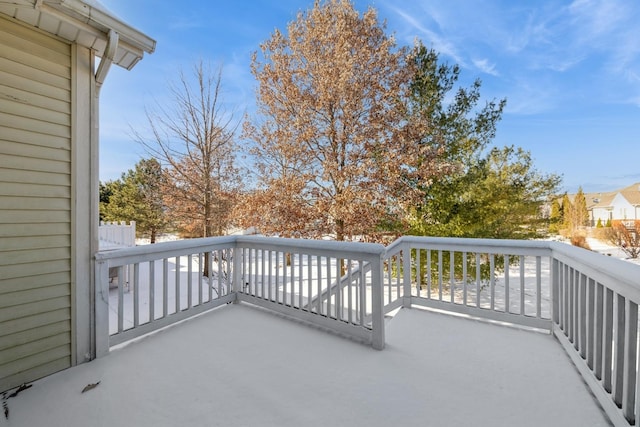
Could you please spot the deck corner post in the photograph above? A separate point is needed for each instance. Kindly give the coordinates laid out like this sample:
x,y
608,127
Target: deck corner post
x,y
406,276
377,309
101,324
237,286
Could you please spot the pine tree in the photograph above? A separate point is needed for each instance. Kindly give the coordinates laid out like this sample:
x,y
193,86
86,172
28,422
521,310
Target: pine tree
x,y
136,196
555,217
581,214
499,196
568,223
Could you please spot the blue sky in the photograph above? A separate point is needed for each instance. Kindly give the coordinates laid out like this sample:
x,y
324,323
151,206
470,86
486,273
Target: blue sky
x,y
570,71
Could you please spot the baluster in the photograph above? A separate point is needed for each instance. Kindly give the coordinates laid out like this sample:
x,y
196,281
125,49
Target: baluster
x,y
418,273
590,310
177,284
522,288
464,278
583,315
452,276
200,276
165,287
136,293
309,282
492,282
608,340
349,296
189,281
619,348
440,275
152,290
539,287
429,278
478,279
598,331
630,360
507,285
120,299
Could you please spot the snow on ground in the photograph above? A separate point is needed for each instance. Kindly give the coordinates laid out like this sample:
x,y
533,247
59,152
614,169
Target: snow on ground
x,y
241,366
609,250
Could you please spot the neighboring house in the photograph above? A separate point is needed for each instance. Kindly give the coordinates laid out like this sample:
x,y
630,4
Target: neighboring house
x,y
619,205
49,88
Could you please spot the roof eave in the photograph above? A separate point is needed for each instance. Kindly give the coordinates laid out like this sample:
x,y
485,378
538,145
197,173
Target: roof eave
x,y
86,22
132,40
94,15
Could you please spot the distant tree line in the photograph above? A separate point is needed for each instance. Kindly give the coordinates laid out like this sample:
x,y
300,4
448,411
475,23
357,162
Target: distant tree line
x,y
353,138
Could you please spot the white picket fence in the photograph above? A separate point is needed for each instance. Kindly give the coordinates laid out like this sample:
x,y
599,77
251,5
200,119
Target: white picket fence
x,y
116,235
589,302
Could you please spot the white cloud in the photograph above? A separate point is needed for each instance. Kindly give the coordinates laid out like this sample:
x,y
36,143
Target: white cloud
x,y
432,39
598,16
486,67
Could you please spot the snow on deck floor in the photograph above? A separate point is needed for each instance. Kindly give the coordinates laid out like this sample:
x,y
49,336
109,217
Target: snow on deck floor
x,y
242,366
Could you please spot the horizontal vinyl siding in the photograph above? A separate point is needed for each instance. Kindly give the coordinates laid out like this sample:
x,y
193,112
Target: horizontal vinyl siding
x,y
35,204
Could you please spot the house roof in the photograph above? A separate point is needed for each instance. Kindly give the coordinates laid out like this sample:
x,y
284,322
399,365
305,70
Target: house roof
x,y
632,193
599,200
605,199
86,22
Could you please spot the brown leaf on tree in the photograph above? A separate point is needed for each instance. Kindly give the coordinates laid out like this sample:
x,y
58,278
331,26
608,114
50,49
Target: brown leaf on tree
x,y
331,143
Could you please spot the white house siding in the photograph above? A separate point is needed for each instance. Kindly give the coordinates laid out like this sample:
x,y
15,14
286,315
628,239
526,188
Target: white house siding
x,y
622,209
35,204
603,214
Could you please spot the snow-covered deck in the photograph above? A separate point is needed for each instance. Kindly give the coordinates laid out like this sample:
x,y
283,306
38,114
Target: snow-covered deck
x,y
242,366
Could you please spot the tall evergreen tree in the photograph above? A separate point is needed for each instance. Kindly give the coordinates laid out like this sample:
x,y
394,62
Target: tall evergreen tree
x,y
568,223
137,196
581,213
556,216
499,196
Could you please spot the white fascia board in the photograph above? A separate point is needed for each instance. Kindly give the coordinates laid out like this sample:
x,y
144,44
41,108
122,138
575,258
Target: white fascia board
x,y
92,13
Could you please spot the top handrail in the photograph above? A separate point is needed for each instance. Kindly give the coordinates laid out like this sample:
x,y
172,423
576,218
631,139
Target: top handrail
x,y
354,250
496,246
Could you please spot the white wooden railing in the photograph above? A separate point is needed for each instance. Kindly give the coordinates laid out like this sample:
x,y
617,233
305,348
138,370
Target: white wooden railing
x,y
502,280
176,280
586,300
595,318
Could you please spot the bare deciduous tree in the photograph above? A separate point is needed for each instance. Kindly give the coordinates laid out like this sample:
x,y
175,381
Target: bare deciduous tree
x,y
626,237
194,138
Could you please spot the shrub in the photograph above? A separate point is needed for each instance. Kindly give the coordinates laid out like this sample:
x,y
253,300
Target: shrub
x,y
580,241
599,223
626,238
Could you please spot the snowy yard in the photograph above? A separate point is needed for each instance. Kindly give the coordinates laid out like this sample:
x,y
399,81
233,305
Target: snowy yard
x,y
242,366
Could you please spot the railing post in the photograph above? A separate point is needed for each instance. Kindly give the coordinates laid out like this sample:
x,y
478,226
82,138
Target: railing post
x,y
238,260
406,276
101,324
555,291
377,308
